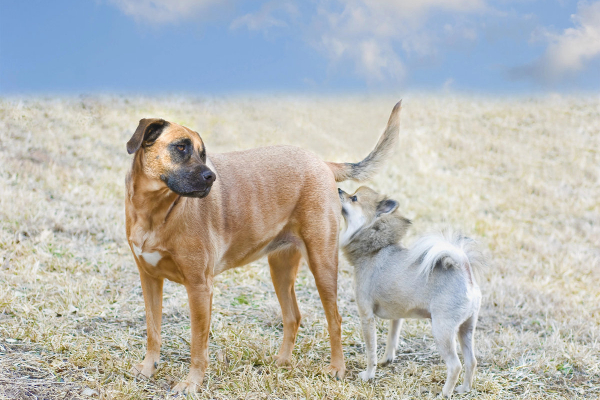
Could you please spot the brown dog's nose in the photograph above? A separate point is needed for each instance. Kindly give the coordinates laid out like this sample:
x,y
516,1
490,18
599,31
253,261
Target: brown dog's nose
x,y
208,176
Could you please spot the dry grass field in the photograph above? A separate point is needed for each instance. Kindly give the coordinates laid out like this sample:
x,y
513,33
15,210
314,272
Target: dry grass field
x,y
520,175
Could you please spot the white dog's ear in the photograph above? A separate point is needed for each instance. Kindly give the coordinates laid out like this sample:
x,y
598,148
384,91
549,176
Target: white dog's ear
x,y
386,206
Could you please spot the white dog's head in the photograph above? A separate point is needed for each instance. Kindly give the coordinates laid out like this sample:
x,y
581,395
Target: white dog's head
x,y
366,209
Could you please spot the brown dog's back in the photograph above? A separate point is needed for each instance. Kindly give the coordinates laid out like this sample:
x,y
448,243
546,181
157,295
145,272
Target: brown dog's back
x,y
277,193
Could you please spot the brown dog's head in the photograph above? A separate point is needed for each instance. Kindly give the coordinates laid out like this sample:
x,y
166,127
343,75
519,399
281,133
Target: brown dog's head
x,y
174,155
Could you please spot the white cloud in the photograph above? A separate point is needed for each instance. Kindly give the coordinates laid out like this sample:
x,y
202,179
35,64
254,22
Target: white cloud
x,y
448,84
368,32
568,52
265,18
164,11
377,60
373,38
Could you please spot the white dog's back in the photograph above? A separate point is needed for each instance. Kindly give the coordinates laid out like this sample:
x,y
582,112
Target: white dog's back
x,y
420,281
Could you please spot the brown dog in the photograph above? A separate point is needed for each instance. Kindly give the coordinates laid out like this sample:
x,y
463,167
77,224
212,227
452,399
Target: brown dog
x,y
191,216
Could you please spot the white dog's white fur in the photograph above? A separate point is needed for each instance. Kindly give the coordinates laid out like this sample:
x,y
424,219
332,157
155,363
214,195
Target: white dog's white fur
x,y
433,279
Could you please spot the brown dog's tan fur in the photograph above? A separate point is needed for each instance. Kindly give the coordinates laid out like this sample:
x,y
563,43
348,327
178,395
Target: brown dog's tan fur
x,y
278,201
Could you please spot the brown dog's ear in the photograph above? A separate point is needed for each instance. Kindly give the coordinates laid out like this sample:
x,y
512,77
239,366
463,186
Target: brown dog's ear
x,y
386,206
148,130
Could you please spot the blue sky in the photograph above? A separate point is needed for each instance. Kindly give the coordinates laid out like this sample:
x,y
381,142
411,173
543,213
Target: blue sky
x,y
332,46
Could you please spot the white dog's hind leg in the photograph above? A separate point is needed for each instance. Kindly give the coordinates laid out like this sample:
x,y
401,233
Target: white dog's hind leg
x,y
465,336
444,333
370,336
395,326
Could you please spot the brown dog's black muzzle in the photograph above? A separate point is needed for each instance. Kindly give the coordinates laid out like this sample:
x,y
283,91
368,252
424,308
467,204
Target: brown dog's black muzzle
x,y
193,181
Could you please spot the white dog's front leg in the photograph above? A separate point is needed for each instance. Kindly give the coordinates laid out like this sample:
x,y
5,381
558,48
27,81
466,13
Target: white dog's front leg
x,y
369,334
392,341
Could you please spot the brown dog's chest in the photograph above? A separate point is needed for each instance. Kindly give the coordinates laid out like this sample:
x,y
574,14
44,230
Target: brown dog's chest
x,y
155,259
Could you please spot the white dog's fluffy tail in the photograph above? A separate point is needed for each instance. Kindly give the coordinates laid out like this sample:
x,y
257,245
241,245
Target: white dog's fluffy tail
x,y
449,249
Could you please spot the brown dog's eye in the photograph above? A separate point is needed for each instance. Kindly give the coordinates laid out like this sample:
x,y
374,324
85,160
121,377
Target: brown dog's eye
x,y
180,147
353,198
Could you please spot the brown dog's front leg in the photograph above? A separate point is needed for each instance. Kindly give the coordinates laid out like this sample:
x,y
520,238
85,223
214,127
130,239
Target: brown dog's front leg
x,y
284,268
200,299
152,289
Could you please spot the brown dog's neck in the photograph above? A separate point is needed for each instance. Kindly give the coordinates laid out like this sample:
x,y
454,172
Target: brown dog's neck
x,y
152,199
154,206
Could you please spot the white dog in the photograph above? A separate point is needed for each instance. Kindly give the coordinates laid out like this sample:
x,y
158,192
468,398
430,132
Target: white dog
x,y
434,279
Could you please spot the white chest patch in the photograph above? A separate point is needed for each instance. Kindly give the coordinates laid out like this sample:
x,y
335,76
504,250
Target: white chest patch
x,y
354,223
150,258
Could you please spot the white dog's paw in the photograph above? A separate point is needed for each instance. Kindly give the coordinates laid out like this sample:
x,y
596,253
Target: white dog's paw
x,y
462,389
447,394
386,359
365,375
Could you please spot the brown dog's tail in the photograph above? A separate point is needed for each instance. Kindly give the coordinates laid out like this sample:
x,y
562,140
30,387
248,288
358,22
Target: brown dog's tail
x,y
364,169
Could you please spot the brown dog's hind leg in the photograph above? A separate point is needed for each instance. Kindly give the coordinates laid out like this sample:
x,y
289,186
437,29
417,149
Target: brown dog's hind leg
x,y
152,289
200,299
284,268
323,262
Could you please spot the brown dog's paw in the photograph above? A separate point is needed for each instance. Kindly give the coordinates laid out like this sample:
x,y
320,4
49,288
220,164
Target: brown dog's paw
x,y
144,370
186,388
336,371
283,361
